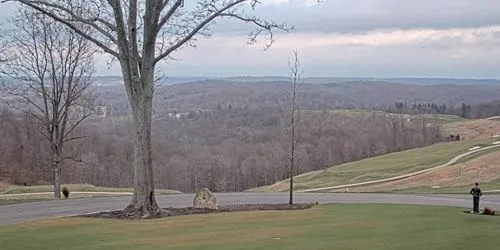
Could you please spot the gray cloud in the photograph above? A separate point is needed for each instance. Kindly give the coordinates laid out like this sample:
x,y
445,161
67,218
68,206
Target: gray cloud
x,y
351,16
355,38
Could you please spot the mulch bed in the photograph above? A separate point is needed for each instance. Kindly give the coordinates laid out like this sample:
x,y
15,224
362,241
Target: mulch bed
x,y
171,211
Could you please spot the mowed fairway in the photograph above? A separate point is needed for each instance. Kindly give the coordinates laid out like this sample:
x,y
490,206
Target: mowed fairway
x,y
18,194
323,227
384,166
74,188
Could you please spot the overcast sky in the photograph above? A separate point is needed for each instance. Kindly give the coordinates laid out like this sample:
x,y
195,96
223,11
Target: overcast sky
x,y
379,38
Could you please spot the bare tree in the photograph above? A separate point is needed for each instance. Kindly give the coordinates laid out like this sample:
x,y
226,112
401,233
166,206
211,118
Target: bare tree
x,y
3,53
52,68
296,73
3,58
139,34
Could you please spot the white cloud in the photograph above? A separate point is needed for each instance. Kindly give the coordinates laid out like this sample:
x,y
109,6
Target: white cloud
x,y
482,37
457,38
416,52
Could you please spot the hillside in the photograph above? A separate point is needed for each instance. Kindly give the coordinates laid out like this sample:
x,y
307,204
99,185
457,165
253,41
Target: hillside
x,y
454,179
474,129
214,94
442,119
229,135
228,149
381,167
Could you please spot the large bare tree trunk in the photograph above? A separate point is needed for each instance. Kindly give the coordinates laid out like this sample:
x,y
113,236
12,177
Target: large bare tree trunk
x,y
57,182
56,158
141,33
143,201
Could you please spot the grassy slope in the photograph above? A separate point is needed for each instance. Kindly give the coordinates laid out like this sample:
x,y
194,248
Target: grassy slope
x,y
444,119
325,227
15,201
455,179
441,119
380,167
39,193
74,188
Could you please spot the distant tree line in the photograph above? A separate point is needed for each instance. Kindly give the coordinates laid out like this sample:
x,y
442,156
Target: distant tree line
x,y
472,111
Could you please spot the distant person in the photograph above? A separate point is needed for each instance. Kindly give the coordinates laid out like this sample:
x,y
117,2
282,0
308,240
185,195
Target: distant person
x,y
476,193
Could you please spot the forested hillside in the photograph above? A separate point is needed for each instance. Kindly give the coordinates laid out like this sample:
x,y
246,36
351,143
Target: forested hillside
x,y
231,136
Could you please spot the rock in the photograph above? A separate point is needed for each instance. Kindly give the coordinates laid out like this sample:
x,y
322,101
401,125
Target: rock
x,y
205,199
489,211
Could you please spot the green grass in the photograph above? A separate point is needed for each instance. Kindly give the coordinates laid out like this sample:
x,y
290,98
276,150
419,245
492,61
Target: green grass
x,y
44,192
479,154
440,119
374,227
381,167
443,119
74,188
9,202
49,196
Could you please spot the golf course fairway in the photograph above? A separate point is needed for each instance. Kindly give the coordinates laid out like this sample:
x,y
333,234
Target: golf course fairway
x,y
345,226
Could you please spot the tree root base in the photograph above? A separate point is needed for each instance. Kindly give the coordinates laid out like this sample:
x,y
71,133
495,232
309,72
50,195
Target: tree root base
x,y
133,214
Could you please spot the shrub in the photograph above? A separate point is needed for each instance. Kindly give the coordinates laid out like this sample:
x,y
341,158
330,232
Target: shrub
x,y
65,192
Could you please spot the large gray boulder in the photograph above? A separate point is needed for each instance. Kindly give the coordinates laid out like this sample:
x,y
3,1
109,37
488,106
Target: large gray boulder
x,y
205,199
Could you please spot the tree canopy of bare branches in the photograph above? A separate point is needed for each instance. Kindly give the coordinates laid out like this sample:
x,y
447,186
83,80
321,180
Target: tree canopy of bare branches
x,y
139,34
51,69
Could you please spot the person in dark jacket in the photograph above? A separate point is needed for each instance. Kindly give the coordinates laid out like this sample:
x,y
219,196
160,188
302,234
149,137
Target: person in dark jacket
x,y
476,193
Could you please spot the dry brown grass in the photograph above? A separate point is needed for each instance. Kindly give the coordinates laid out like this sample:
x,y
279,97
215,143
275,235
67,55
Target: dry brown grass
x,y
483,169
4,185
475,129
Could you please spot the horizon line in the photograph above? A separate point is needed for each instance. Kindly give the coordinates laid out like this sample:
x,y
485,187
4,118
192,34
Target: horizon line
x,y
306,77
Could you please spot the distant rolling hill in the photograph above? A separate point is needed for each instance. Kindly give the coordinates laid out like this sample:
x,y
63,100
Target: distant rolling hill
x,y
314,80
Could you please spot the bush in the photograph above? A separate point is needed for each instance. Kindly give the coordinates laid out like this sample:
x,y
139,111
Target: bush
x,y
65,192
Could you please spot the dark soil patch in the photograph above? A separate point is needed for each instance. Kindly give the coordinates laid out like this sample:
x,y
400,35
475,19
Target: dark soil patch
x,y
171,211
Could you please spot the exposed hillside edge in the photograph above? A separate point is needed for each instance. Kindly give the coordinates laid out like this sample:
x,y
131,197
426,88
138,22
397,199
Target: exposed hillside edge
x,y
457,178
493,118
400,177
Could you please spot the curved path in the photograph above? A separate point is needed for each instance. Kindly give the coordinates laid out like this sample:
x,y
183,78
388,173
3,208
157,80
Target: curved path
x,y
400,177
16,213
493,118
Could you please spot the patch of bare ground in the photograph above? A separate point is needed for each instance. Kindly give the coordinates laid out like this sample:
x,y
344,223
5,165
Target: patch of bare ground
x,y
4,185
475,129
483,169
171,211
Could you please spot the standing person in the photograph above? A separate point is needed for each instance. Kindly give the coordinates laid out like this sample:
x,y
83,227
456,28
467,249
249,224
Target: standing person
x,y
476,193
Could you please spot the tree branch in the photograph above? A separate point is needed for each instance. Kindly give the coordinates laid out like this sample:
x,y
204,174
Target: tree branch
x,y
74,138
169,14
35,5
225,11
